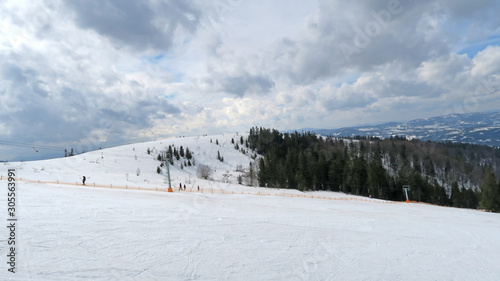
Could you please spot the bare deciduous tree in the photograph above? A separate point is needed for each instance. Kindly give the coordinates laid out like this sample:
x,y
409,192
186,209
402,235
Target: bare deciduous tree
x,y
203,171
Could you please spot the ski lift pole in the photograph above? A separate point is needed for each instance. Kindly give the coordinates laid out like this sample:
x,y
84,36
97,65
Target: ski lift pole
x,y
406,188
167,164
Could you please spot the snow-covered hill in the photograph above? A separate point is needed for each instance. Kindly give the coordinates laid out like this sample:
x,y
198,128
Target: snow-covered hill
x,y
68,232
476,128
131,165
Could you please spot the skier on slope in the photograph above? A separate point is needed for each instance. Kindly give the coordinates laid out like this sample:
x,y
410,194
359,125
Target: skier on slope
x,y
83,180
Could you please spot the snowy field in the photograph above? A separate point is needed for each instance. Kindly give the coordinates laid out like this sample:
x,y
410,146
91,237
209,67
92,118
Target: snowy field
x,y
83,233
69,232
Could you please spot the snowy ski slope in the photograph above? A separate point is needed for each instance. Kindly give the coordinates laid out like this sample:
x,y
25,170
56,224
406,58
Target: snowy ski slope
x,y
67,232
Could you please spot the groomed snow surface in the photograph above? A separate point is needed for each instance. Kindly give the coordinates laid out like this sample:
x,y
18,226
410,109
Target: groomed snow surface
x,y
67,232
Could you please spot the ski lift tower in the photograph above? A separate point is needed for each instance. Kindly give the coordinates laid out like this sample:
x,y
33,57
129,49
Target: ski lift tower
x,y
406,188
167,164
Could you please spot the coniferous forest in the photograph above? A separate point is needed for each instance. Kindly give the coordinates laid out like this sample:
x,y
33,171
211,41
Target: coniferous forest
x,y
452,174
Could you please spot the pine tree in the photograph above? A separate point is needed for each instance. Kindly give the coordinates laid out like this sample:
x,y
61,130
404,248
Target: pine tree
x,y
321,172
251,174
376,178
360,176
302,170
176,154
170,155
315,183
470,198
181,151
263,177
490,192
290,168
456,195
429,166
447,167
301,182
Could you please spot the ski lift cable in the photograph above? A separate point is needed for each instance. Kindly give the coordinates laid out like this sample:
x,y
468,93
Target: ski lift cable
x,y
29,145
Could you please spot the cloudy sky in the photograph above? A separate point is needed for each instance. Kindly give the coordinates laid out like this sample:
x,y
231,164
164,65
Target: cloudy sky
x,y
89,74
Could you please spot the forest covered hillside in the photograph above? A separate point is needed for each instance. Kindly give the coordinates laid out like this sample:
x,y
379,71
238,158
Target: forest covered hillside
x,y
443,173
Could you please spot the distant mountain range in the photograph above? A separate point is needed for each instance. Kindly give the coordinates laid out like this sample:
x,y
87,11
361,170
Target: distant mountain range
x,y
477,128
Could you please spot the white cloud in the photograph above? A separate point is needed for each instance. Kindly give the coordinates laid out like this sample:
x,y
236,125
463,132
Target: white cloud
x,y
447,70
487,62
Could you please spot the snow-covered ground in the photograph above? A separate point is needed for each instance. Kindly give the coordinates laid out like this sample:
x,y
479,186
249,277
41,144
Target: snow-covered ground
x,y
67,232
119,165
